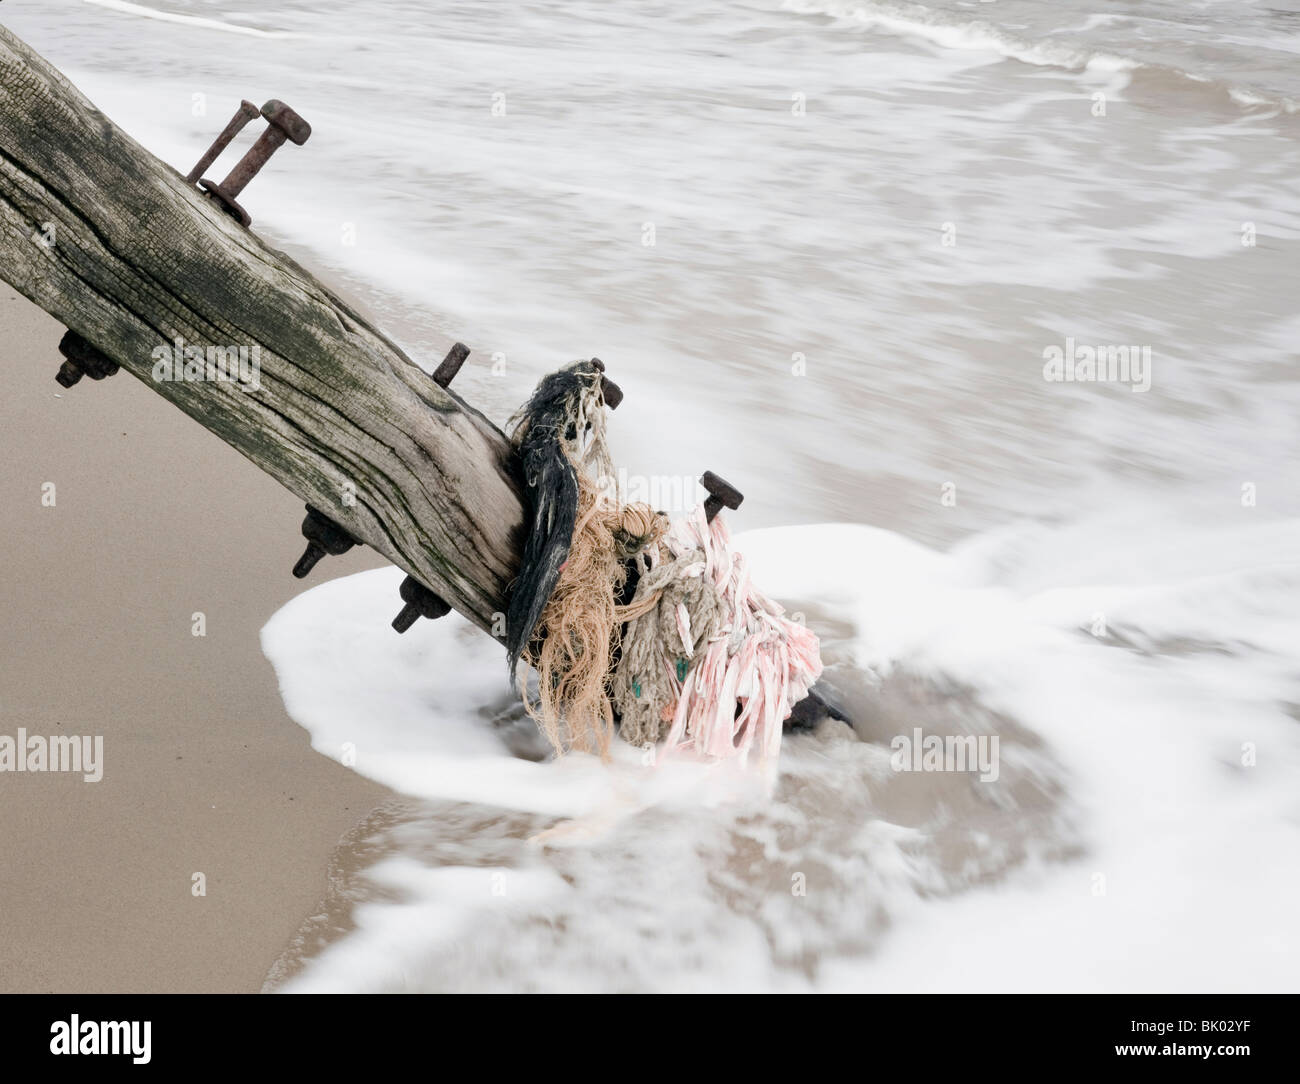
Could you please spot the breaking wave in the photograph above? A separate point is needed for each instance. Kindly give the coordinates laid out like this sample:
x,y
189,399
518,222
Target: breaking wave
x,y
919,22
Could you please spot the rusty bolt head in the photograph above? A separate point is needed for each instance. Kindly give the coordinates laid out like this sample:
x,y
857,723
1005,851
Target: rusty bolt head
x,y
722,494
612,393
69,373
296,129
83,359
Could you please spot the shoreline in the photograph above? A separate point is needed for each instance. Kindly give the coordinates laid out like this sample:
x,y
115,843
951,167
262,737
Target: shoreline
x,y
151,521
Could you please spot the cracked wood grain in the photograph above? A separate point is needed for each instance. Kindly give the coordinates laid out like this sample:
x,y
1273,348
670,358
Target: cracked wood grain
x,y
140,258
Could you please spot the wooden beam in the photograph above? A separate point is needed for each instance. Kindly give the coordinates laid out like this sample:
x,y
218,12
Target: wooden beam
x,y
114,244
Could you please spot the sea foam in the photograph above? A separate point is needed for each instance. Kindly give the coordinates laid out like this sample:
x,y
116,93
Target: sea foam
x,y
1145,803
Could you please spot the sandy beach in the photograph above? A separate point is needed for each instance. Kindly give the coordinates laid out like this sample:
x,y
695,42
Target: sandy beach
x,y
154,520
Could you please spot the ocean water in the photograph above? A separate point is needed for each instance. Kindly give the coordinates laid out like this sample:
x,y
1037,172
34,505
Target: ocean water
x,y
826,249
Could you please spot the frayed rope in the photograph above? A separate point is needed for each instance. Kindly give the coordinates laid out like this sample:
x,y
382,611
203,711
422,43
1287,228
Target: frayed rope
x,y
707,657
561,619
698,654
551,432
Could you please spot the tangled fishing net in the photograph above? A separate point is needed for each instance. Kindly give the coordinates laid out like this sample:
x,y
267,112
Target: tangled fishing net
x,y
633,625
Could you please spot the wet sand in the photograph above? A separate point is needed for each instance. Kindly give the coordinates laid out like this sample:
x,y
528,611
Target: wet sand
x,y
154,520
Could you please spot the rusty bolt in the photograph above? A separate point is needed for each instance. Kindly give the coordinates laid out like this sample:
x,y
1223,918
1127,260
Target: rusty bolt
x,y
420,602
445,373
611,392
324,538
247,111
721,495
282,123
82,359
